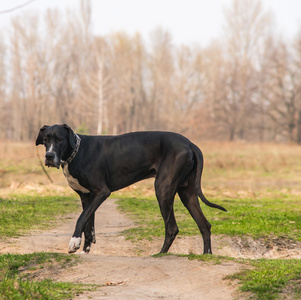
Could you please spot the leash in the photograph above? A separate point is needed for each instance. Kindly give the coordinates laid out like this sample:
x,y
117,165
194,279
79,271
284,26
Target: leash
x,y
42,165
74,152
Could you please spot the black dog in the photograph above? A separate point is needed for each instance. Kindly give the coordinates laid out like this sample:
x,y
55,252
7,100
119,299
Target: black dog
x,y
95,166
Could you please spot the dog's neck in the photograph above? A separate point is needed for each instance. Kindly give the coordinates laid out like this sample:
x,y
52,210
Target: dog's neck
x,y
74,152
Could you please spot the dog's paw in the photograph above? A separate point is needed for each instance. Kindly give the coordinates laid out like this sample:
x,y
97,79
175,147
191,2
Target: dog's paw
x,y
74,244
86,249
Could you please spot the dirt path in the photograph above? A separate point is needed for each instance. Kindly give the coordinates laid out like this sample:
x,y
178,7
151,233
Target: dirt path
x,y
125,270
122,270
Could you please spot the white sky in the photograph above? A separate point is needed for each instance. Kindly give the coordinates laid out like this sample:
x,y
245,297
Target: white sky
x,y
188,21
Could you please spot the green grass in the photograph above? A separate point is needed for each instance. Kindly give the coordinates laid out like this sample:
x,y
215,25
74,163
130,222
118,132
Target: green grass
x,y
215,259
19,214
15,273
258,218
268,279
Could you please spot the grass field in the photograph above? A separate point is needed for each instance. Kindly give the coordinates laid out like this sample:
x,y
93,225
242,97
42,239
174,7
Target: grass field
x,y
278,217
260,186
21,213
15,284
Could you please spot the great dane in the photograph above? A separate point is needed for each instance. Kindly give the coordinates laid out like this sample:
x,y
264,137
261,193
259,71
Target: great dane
x,y
95,166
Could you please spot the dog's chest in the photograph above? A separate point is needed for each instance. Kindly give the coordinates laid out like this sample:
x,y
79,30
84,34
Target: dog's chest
x,y
73,182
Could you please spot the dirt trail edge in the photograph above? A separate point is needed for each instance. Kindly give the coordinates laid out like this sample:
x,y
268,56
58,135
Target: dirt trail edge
x,y
113,263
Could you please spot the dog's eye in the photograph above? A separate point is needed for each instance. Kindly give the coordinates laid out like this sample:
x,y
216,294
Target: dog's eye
x,y
45,140
59,139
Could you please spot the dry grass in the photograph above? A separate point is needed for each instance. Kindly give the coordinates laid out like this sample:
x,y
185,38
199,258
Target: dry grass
x,y
21,172
230,168
250,168
257,159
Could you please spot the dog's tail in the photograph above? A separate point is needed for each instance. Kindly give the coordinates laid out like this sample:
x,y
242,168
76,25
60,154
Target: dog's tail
x,y
199,168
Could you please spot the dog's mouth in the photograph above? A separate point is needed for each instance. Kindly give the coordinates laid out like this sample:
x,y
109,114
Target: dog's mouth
x,y
52,162
52,165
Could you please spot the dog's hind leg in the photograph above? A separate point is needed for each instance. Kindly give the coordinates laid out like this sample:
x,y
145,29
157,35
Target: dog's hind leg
x,y
170,176
166,200
189,198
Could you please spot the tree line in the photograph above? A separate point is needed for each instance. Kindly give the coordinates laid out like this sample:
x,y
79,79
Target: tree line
x,y
244,85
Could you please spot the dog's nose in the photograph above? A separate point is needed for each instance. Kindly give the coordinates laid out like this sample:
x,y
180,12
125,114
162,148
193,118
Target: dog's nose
x,y
49,155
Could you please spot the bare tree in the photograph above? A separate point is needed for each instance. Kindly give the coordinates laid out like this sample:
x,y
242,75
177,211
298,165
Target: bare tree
x,y
245,32
283,91
3,89
245,85
161,69
188,90
297,65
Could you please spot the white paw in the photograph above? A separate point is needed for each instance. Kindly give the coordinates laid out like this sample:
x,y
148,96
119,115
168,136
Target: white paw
x,y
86,251
74,244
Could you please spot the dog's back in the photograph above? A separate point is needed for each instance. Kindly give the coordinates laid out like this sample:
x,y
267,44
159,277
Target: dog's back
x,y
131,157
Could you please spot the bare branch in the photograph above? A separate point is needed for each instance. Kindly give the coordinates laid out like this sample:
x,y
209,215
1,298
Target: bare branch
x,y
16,7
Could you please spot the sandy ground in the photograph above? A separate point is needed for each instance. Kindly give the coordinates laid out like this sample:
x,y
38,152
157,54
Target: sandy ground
x,y
126,270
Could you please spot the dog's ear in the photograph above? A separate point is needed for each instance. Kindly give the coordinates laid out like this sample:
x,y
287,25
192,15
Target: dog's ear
x,y
39,139
71,136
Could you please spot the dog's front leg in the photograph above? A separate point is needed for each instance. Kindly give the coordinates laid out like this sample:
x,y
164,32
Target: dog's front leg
x,y
96,199
89,230
89,233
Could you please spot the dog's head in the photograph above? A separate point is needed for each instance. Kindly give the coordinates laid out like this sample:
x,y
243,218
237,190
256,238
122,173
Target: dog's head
x,y
59,142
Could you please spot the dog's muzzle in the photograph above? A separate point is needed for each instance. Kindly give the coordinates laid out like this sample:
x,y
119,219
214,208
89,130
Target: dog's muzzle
x,y
51,160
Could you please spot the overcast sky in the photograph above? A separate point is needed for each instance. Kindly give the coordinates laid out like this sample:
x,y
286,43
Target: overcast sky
x,y
188,21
